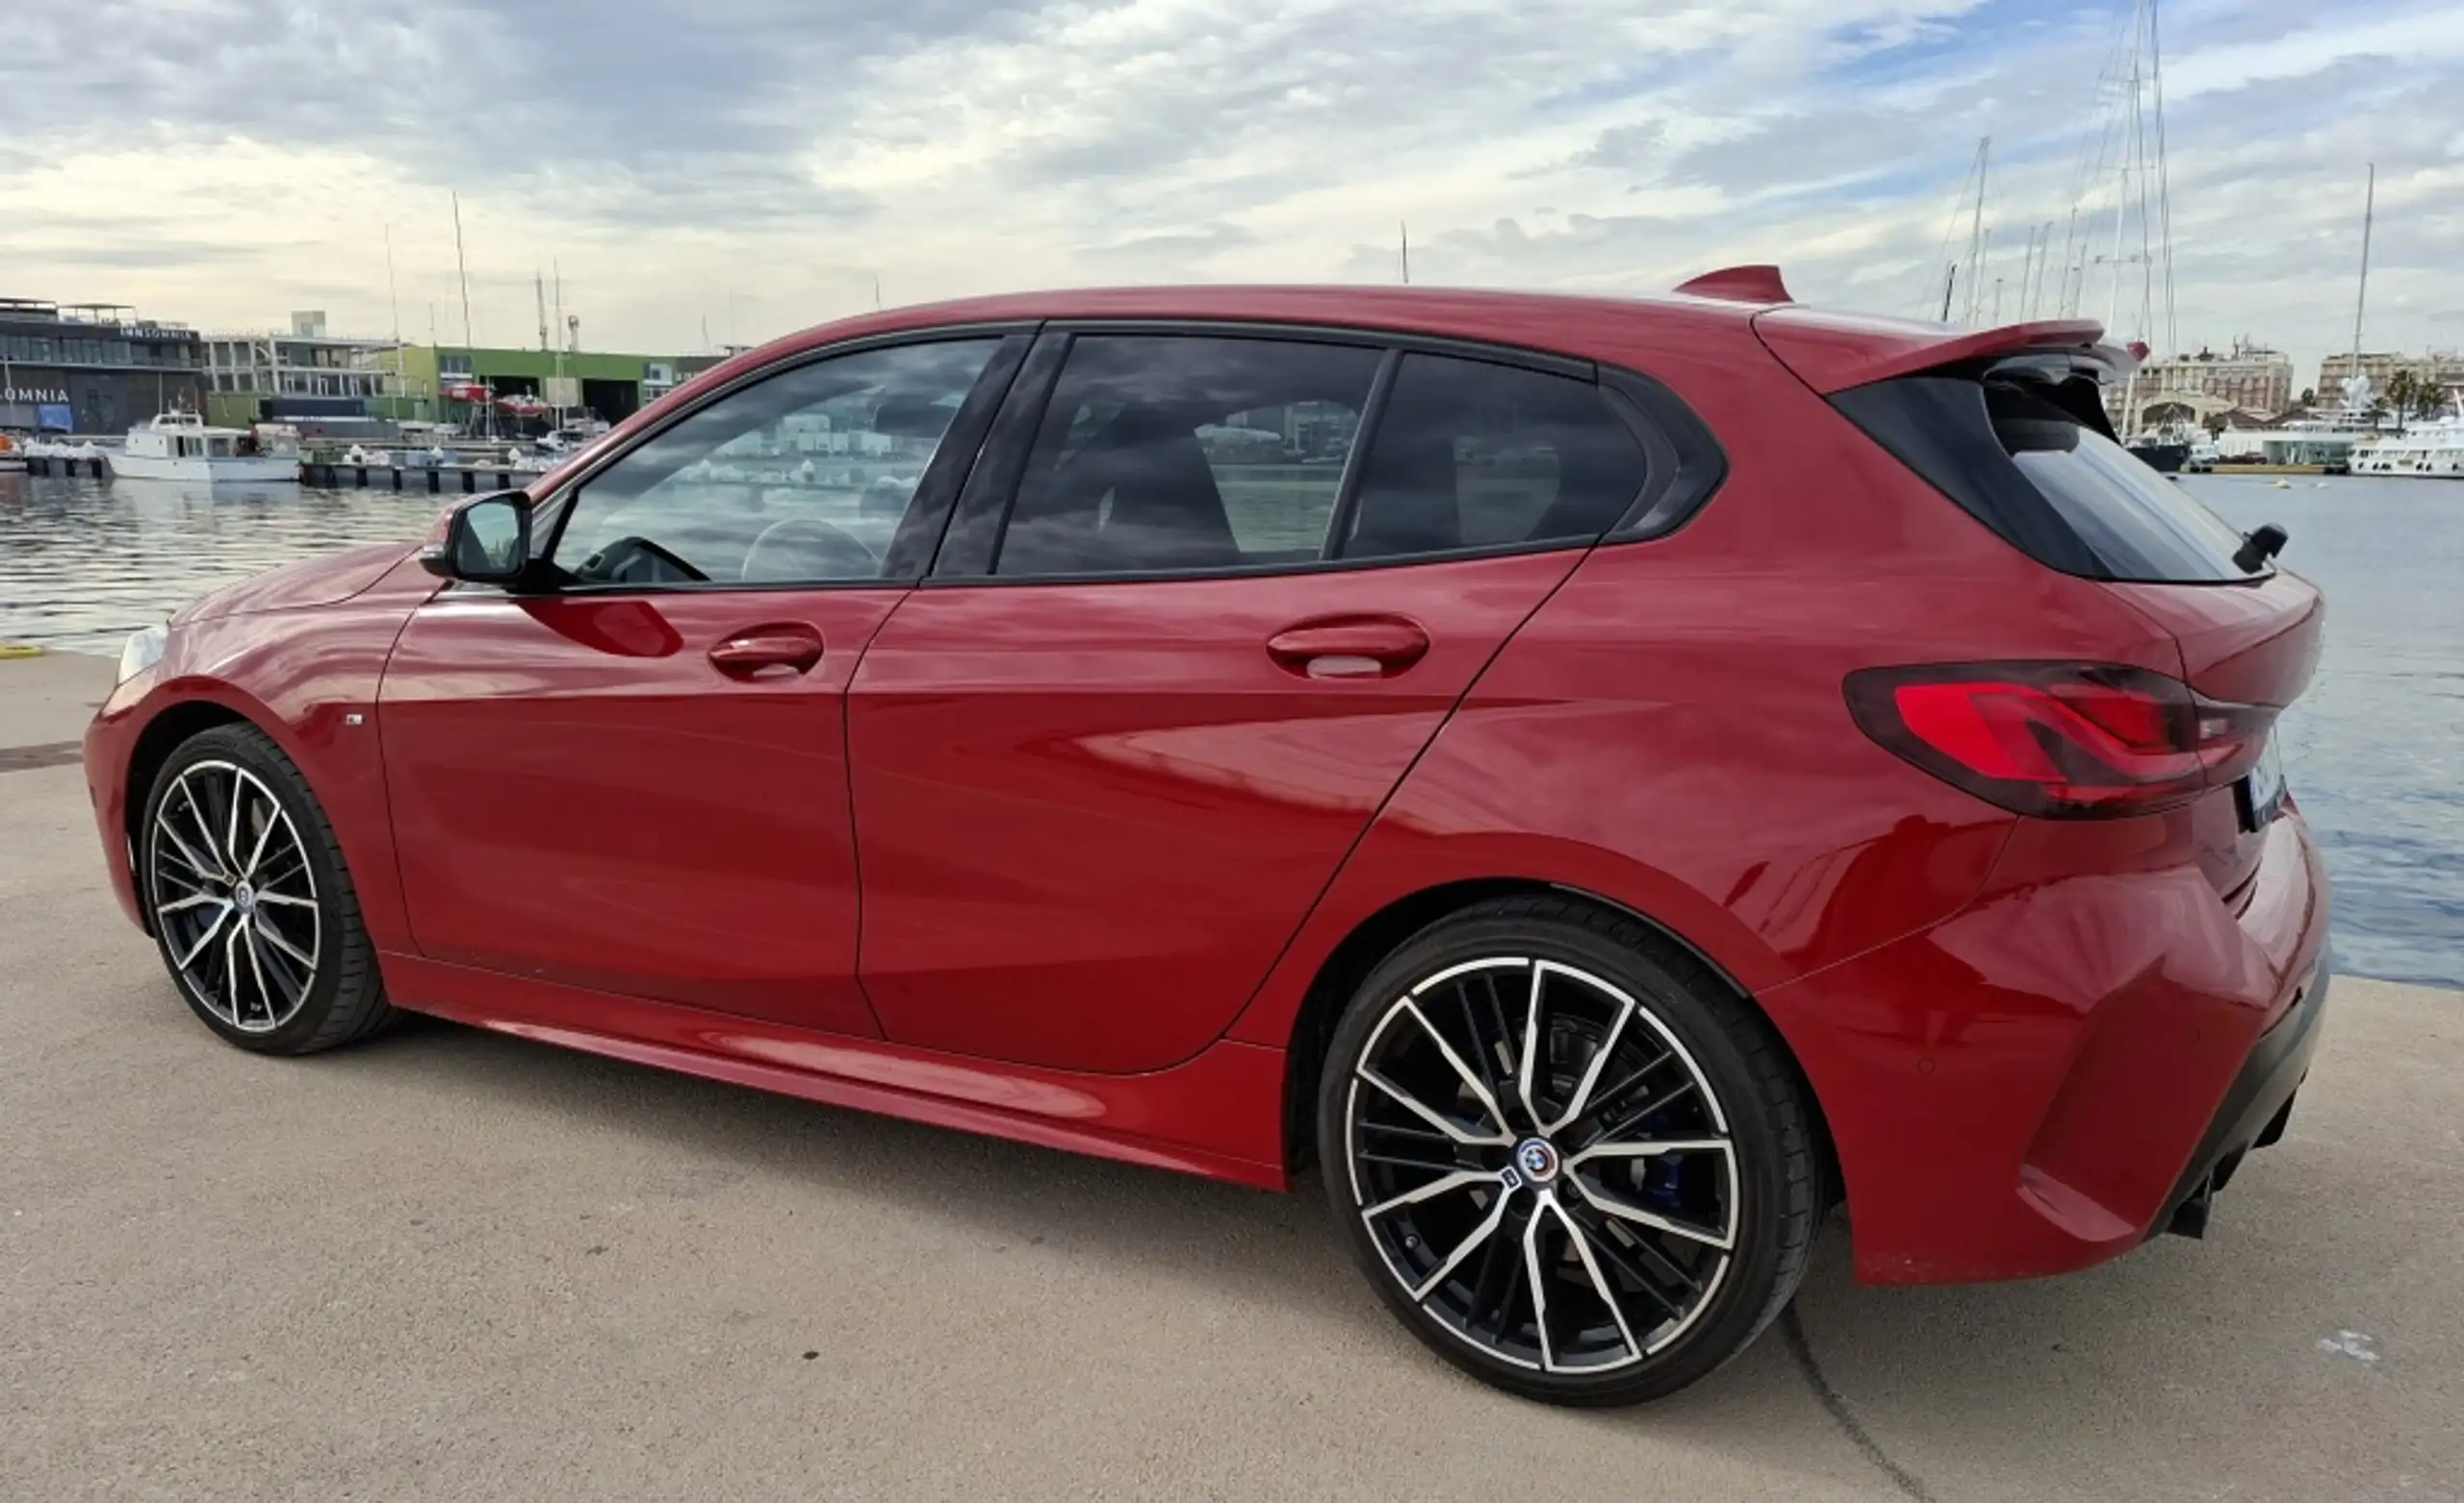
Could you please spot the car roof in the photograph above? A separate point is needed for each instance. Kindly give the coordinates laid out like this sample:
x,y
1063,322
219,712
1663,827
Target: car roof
x,y
1830,350
1556,322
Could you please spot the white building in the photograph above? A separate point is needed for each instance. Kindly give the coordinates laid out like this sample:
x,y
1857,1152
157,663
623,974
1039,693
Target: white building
x,y
244,370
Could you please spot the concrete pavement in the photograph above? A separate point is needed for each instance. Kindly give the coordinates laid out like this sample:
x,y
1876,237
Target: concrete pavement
x,y
451,1264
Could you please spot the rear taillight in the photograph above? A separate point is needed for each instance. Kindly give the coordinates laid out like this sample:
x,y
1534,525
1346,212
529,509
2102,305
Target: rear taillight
x,y
2060,740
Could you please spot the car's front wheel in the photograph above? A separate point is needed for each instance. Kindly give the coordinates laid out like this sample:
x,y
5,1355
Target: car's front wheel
x,y
1569,1158
252,903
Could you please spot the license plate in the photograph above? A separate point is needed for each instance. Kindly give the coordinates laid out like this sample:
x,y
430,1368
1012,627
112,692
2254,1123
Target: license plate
x,y
2262,789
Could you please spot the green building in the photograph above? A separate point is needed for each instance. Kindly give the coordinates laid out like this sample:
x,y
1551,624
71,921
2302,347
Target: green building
x,y
448,383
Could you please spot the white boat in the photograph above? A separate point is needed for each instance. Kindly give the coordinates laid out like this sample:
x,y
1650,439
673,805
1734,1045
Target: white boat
x,y
179,445
2432,450
12,455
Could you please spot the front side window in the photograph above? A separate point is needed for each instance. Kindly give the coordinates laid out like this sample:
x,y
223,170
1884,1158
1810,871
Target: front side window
x,y
1473,455
1164,454
801,477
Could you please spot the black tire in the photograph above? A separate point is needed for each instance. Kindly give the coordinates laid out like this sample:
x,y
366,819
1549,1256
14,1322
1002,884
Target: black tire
x,y
274,1004
1734,1154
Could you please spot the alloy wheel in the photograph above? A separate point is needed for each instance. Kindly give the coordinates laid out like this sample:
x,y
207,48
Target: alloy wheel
x,y
234,896
1542,1166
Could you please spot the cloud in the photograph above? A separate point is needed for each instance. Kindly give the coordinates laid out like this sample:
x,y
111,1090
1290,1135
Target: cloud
x,y
756,164
1163,252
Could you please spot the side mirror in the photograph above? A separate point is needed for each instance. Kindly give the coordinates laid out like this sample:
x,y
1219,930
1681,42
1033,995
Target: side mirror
x,y
486,541
2262,543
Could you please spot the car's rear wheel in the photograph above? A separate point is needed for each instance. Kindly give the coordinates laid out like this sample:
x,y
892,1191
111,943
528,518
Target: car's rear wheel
x,y
252,904
1567,1155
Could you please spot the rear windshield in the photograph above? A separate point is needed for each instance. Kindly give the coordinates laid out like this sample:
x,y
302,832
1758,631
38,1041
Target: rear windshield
x,y
2016,455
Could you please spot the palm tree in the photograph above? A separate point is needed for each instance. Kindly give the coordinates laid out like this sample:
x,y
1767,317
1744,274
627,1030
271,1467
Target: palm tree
x,y
2402,396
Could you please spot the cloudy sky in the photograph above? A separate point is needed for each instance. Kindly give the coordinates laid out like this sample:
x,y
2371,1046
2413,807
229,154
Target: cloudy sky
x,y
751,166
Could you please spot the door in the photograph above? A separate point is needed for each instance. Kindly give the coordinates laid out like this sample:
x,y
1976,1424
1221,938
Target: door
x,y
636,780
1102,773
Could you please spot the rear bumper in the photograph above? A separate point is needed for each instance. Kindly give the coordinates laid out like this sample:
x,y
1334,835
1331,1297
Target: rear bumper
x,y
2045,1080
2256,1109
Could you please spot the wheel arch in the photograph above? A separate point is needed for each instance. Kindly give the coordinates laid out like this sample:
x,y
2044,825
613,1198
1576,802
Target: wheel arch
x,y
177,723
1383,932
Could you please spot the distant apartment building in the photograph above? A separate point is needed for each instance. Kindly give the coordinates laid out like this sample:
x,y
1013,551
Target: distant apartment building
x,y
307,374
2250,378
2446,366
93,367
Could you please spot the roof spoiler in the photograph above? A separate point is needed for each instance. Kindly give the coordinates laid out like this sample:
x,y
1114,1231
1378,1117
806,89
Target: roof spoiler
x,y
1833,352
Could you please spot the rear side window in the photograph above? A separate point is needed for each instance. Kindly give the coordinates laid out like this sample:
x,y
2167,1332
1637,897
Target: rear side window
x,y
2015,454
1471,455
1162,453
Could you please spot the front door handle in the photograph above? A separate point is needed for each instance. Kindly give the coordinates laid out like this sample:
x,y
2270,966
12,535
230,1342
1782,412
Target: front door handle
x,y
1350,647
773,652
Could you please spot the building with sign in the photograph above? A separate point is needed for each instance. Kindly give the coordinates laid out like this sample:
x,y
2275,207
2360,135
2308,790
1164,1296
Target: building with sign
x,y
93,367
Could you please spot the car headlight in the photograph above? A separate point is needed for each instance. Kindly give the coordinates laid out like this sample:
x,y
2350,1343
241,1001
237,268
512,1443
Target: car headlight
x,y
142,650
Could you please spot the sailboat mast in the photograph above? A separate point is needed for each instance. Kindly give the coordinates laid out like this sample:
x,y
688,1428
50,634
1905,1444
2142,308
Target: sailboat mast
x,y
462,270
1976,232
2122,193
394,296
2361,297
557,269
2163,178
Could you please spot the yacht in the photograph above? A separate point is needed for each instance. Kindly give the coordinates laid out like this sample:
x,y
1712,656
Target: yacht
x,y
12,455
2433,450
179,445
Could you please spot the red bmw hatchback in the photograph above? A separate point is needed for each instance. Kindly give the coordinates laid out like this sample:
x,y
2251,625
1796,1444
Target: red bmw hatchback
x,y
1604,780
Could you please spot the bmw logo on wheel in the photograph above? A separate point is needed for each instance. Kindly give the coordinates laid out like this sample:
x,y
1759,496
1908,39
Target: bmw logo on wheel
x,y
1537,1159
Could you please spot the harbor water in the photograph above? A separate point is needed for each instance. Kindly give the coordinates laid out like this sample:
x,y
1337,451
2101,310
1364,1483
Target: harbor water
x,y
2375,752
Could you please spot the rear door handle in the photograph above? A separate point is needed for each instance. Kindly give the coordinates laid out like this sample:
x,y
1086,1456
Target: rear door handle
x,y
774,651
1350,647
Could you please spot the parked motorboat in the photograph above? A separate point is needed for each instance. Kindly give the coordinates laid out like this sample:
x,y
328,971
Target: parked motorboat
x,y
180,446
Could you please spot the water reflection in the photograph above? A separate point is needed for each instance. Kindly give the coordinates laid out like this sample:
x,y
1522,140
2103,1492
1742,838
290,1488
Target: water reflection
x,y
2374,752
84,562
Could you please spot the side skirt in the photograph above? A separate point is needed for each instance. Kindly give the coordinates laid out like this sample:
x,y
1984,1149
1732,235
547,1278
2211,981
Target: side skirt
x,y
1218,1115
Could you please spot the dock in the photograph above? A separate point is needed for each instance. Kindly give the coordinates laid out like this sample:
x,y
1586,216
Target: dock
x,y
464,479
444,1262
67,465
433,479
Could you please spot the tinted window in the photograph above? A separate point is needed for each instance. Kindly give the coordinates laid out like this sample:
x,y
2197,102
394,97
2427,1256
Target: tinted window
x,y
1471,455
800,477
1161,453
2139,524
2017,455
